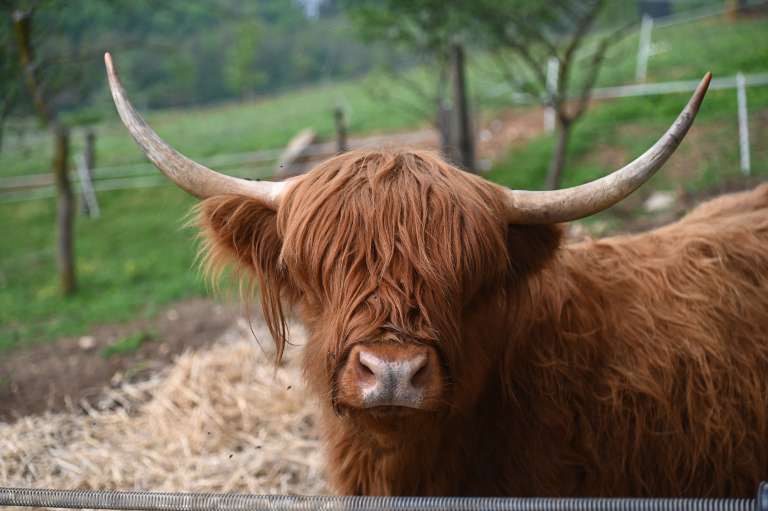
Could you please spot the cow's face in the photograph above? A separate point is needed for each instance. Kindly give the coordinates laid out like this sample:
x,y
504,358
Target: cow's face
x,y
398,264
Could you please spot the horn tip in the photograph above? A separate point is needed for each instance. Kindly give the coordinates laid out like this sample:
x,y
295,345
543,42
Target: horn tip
x,y
109,65
701,90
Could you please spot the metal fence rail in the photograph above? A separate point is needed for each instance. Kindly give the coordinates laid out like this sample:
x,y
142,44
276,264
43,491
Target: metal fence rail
x,y
149,501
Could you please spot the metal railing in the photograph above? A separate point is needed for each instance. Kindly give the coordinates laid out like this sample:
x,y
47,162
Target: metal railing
x,y
149,501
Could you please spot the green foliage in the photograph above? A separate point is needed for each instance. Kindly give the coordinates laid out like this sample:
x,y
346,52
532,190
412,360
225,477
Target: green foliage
x,y
126,345
10,76
241,74
423,25
176,53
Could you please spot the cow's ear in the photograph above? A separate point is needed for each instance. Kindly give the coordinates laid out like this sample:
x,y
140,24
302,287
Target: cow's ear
x,y
242,232
531,247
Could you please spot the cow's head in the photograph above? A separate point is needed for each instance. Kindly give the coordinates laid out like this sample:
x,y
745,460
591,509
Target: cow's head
x,y
398,263
387,257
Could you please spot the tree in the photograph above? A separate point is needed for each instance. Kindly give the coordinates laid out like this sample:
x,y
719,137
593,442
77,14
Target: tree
x,y
241,72
535,34
531,32
434,32
423,95
10,87
21,17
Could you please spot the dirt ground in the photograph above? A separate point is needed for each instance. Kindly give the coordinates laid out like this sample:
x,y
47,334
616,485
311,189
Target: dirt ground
x,y
59,375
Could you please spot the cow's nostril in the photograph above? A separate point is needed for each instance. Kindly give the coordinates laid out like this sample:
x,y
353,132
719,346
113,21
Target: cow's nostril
x,y
366,367
420,375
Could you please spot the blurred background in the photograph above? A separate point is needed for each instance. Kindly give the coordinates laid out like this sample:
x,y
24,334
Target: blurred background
x,y
527,93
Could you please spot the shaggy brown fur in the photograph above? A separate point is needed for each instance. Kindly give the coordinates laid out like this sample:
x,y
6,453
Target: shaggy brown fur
x,y
633,366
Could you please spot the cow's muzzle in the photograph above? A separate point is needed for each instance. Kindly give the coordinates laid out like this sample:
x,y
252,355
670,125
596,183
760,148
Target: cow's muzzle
x,y
389,374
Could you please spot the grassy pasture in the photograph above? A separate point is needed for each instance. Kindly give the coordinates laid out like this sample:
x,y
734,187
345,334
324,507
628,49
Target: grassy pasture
x,y
137,256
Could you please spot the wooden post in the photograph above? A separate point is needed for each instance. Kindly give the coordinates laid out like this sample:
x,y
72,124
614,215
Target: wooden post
x,y
736,7
293,158
85,165
465,142
341,130
66,211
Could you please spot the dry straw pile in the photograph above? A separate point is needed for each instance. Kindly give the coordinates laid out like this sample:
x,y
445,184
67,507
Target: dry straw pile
x,y
217,420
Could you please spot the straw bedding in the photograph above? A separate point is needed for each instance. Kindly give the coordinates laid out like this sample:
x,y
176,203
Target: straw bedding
x,y
219,419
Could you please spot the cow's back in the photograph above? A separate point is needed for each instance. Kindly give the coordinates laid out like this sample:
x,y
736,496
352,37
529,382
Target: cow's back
x,y
660,341
732,204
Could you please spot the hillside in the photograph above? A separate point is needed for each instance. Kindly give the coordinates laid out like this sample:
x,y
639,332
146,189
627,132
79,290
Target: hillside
x,y
137,256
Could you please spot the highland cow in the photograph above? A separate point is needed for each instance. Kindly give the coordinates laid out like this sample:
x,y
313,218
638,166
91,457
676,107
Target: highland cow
x,y
460,347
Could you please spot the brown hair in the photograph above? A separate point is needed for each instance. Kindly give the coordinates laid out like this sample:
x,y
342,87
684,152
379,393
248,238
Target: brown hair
x,y
631,366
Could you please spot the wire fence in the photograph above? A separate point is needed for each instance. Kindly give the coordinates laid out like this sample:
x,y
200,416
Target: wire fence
x,y
149,501
261,164
252,165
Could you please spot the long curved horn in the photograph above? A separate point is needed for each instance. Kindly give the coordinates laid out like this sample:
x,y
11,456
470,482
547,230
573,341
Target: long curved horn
x,y
548,207
189,175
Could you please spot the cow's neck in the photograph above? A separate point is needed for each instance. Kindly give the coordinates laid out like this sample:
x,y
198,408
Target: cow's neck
x,y
425,458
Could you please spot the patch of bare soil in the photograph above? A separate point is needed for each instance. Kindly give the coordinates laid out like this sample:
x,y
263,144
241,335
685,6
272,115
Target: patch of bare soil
x,y
509,128
62,374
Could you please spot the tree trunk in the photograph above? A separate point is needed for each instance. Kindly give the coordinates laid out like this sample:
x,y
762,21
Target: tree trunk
x,y
556,164
22,25
66,212
464,138
5,111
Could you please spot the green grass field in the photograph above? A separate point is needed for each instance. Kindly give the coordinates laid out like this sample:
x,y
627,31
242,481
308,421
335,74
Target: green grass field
x,y
137,256
626,127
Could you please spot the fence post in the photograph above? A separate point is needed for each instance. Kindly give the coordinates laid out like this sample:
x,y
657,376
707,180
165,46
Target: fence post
x,y
85,165
644,48
85,161
341,130
741,99
553,70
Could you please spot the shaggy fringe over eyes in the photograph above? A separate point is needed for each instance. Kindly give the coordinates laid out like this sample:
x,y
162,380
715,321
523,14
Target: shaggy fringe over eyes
x,y
241,232
392,240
